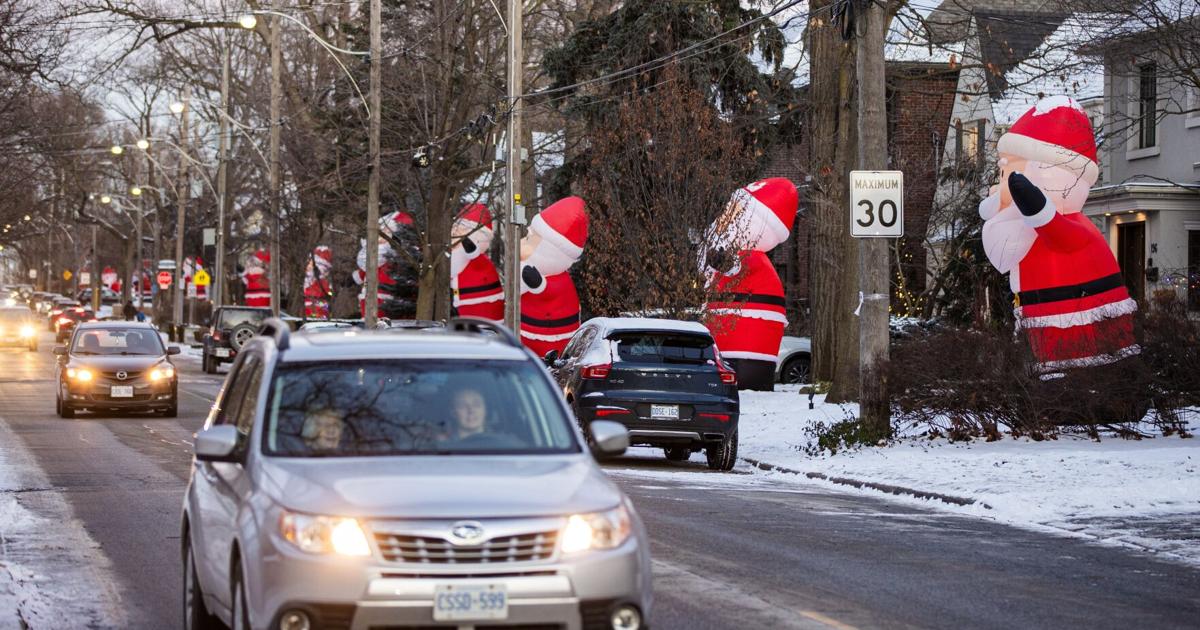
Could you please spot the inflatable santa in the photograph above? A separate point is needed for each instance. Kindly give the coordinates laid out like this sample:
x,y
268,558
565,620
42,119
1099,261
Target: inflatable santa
x,y
316,283
396,284
473,277
1070,297
110,279
746,310
549,303
254,276
190,267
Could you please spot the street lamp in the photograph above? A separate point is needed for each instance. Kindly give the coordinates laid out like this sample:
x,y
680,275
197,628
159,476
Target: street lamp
x,y
135,191
248,21
117,149
28,218
105,199
143,144
177,107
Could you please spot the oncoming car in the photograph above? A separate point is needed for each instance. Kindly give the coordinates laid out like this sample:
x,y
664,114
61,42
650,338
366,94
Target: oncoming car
x,y
405,478
18,328
115,366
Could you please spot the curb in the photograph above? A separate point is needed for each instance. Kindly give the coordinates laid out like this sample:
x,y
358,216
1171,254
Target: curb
x,y
856,483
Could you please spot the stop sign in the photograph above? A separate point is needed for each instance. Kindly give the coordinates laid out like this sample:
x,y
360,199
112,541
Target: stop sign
x,y
164,280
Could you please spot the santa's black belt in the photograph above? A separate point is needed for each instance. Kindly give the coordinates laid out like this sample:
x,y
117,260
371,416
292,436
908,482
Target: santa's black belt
x,y
480,289
1072,292
550,323
753,298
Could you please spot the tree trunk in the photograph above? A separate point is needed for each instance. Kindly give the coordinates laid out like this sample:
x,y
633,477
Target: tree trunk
x,y
833,290
432,293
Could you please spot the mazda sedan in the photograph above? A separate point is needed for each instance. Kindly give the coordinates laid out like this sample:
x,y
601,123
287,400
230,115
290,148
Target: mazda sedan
x,y
115,366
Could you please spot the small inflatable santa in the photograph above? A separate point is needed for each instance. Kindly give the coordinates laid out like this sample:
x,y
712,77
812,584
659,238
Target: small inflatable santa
x,y
473,278
746,310
1070,297
549,303
190,267
391,267
316,283
254,276
110,279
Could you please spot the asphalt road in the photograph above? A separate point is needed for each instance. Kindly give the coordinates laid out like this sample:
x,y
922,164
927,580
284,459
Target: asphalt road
x,y
731,550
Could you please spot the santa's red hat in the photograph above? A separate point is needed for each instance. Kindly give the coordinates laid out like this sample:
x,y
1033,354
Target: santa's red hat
x,y
564,225
476,218
323,252
775,201
1055,132
263,255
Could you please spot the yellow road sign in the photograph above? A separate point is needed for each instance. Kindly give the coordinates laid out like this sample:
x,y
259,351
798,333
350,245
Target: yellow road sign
x,y
201,278
67,274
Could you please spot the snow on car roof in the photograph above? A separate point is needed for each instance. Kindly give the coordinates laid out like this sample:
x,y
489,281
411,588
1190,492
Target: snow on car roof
x,y
649,323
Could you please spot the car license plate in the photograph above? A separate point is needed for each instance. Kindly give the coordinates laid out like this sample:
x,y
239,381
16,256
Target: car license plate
x,y
223,352
467,602
664,412
122,391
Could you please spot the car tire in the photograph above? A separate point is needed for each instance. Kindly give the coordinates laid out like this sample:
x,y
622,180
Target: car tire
x,y
33,347
172,411
239,614
206,363
796,370
677,453
195,613
65,410
723,456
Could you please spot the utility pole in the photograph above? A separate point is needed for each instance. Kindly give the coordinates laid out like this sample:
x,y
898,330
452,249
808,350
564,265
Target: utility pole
x,y
276,97
218,297
371,286
873,252
182,190
137,253
95,273
516,214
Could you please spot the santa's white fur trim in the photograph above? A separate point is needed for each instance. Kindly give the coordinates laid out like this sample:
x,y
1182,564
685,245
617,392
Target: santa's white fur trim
x,y
480,300
1092,361
560,241
537,337
752,313
758,356
1048,104
1049,154
1043,216
769,218
1078,318
989,207
257,294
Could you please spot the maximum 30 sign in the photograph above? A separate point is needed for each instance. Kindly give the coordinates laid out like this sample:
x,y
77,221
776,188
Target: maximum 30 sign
x,y
876,204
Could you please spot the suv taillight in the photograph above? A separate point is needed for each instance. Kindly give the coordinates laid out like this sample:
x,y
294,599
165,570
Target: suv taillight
x,y
596,371
728,376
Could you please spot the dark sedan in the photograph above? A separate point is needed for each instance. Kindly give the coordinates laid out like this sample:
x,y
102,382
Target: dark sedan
x,y
68,319
116,366
663,379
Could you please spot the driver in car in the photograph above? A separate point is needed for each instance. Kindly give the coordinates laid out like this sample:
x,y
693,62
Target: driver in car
x,y
470,414
322,430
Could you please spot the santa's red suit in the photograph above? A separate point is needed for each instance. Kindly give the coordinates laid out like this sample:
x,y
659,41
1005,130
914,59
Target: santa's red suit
x,y
549,302
746,310
316,283
473,278
258,288
1070,297
385,272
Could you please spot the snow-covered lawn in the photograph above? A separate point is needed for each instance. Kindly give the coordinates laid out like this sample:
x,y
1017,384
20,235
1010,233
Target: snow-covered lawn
x,y
1143,493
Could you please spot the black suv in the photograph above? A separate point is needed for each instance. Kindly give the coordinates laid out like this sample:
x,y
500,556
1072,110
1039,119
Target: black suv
x,y
663,379
230,328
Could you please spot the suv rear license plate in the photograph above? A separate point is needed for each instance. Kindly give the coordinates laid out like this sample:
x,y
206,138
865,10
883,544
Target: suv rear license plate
x,y
468,602
121,391
664,412
222,352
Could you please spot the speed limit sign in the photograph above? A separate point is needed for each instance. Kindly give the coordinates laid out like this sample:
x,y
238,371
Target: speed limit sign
x,y
876,204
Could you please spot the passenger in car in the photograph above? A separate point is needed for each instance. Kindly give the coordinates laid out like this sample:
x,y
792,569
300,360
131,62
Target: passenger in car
x,y
322,429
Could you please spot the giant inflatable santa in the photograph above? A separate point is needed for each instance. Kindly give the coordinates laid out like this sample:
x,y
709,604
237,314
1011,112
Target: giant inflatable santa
x,y
316,283
549,303
746,310
254,276
395,286
1070,297
473,277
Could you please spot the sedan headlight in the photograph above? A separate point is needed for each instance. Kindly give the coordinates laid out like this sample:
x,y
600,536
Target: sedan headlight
x,y
160,373
324,534
79,374
27,331
598,530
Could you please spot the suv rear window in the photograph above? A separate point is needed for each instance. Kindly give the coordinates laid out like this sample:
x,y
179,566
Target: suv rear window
x,y
231,318
656,347
396,407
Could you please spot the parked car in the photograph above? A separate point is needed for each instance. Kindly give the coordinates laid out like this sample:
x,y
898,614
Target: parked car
x,y
40,301
115,366
341,324
18,328
662,378
66,321
795,360
107,296
409,478
56,308
230,329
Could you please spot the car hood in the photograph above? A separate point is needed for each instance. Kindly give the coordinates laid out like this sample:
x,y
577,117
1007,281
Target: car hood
x,y
439,487
115,363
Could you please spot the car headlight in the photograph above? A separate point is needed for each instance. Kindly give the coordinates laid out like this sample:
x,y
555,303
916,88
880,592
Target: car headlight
x,y
79,374
159,373
598,530
27,331
324,534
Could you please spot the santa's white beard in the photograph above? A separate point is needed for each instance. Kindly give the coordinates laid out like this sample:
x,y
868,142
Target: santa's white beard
x,y
459,259
549,260
1007,238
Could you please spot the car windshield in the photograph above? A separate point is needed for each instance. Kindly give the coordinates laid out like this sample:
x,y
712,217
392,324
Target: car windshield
x,y
14,316
663,347
118,341
395,407
231,318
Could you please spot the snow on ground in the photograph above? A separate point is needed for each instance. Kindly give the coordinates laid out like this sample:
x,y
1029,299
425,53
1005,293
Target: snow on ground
x,y
50,568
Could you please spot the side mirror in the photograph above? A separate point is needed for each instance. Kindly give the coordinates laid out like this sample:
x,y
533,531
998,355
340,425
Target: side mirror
x,y
60,351
217,444
610,438
174,350
551,358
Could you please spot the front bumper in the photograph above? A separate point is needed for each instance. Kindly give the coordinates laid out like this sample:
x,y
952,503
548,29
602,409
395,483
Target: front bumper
x,y
146,395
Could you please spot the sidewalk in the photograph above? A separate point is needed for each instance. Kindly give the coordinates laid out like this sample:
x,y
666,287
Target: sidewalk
x,y
1144,494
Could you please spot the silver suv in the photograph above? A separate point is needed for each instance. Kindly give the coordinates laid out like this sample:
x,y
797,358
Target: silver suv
x,y
411,478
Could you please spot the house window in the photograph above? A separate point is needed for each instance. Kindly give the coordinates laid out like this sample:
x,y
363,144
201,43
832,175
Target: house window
x,y
969,139
1146,123
1193,262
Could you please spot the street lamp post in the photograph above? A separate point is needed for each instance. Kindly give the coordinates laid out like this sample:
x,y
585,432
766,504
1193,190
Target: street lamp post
x,y
276,97
218,297
180,108
371,304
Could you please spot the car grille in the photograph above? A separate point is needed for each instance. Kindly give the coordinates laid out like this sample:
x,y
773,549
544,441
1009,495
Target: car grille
x,y
429,550
130,375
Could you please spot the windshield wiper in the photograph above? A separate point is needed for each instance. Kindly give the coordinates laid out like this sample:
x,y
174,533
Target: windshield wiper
x,y
85,352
